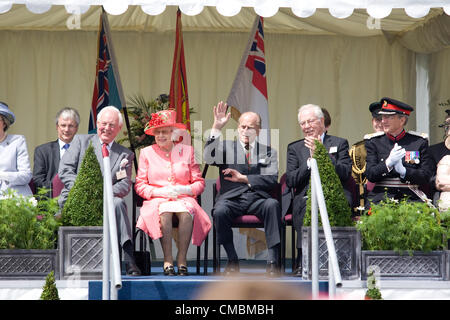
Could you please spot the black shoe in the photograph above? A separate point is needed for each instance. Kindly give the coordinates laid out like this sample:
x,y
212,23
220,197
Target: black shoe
x,y
183,271
133,270
169,271
272,269
298,272
232,268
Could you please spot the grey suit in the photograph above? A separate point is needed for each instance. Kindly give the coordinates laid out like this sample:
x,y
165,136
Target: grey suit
x,y
46,164
71,163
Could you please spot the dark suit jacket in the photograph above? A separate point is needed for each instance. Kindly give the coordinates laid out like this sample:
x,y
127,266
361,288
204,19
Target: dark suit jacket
x,y
46,164
298,174
262,173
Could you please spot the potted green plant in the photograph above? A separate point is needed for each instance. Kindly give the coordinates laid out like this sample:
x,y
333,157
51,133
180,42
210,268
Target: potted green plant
x,y
403,239
80,238
28,235
346,237
49,291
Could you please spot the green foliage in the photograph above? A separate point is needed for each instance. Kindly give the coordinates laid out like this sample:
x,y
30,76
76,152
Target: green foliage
x,y
339,212
84,205
50,292
140,112
373,292
402,226
27,223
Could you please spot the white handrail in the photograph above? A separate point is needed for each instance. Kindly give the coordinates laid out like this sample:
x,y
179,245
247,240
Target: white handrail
x,y
318,201
111,272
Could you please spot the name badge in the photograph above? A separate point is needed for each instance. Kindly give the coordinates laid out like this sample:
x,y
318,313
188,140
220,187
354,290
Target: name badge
x,y
121,174
333,149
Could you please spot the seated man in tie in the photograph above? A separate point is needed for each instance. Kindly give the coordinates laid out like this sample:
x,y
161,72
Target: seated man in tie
x,y
47,155
109,124
298,170
248,172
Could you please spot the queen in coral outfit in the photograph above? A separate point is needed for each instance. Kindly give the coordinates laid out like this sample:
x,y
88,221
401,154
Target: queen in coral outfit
x,y
169,180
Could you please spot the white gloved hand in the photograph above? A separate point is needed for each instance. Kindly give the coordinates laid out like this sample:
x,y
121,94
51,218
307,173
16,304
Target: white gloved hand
x,y
400,168
396,154
180,189
165,192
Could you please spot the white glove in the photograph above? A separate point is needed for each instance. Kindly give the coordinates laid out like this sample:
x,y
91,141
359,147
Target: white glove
x,y
396,154
400,168
180,189
165,192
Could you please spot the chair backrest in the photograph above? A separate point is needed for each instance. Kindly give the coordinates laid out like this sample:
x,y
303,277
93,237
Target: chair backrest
x,y
57,186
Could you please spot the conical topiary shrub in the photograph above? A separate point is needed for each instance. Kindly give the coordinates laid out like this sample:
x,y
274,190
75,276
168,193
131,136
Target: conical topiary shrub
x,y
84,205
339,212
50,292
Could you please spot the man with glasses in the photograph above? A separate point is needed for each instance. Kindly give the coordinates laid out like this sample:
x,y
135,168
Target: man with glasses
x,y
248,172
47,155
109,124
397,161
298,170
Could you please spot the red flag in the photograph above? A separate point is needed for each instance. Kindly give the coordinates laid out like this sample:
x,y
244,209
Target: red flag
x,y
178,85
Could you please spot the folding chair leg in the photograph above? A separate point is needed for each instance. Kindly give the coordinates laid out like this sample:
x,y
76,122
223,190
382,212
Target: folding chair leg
x,y
293,247
205,259
214,250
198,260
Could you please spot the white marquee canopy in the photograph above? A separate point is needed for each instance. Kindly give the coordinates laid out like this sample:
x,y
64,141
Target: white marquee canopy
x,y
266,8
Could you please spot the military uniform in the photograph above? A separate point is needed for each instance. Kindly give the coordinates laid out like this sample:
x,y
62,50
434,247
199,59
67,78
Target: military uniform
x,y
416,161
358,155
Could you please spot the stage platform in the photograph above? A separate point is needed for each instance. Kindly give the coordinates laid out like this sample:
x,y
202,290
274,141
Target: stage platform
x,y
160,287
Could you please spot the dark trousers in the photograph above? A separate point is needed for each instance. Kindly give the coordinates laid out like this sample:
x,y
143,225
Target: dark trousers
x,y
267,210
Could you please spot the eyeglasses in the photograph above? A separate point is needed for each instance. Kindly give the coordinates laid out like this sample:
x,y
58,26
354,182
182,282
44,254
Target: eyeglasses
x,y
309,121
106,124
67,126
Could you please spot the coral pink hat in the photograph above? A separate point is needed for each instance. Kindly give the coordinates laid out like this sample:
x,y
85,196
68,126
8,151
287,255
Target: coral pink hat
x,y
163,118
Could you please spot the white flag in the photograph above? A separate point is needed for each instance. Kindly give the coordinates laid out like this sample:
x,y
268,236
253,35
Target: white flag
x,y
249,91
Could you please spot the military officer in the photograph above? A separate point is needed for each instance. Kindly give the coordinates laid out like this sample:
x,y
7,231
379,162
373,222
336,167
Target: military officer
x,y
358,152
397,161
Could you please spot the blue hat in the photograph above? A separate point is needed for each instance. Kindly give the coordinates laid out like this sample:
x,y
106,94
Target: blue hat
x,y
391,106
4,111
375,108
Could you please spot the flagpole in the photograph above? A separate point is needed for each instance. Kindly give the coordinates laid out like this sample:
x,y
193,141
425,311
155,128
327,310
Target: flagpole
x,y
124,106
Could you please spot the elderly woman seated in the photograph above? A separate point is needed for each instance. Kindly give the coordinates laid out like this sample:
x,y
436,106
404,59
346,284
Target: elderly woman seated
x,y
169,180
15,172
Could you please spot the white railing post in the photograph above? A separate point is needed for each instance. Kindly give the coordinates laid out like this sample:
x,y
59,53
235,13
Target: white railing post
x,y
317,198
105,263
314,243
113,243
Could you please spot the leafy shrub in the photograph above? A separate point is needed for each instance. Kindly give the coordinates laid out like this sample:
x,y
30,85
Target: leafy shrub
x,y
84,205
402,226
50,292
339,212
27,223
